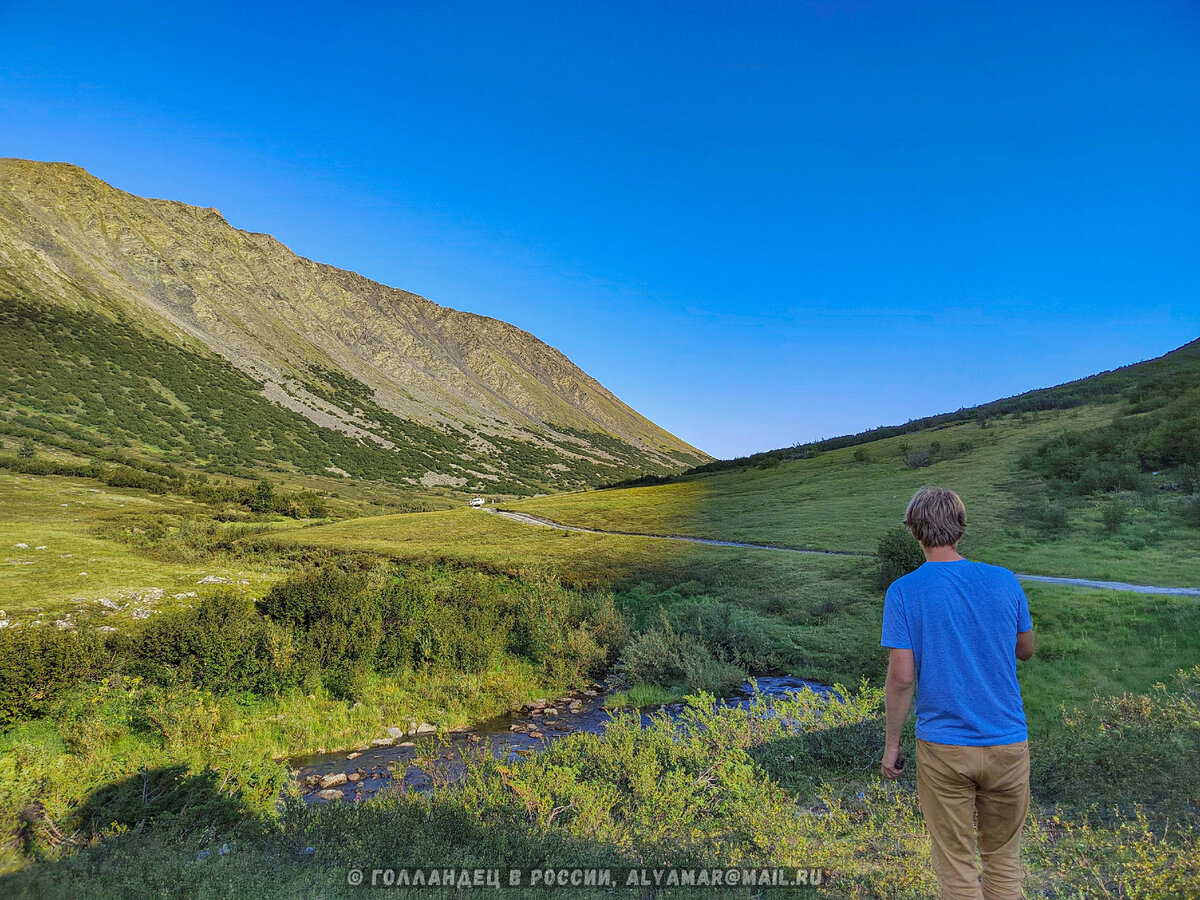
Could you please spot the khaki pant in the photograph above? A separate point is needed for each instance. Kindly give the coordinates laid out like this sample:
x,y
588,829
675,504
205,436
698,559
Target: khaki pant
x,y
955,784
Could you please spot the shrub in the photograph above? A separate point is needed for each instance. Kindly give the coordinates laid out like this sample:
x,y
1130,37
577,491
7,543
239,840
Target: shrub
x,y
1113,513
1189,479
861,455
38,664
898,554
667,658
732,632
1191,512
1050,517
222,645
918,458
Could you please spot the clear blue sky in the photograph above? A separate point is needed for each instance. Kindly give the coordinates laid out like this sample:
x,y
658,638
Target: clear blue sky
x,y
758,223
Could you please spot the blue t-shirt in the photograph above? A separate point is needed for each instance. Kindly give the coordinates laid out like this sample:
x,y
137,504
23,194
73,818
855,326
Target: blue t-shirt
x,y
961,619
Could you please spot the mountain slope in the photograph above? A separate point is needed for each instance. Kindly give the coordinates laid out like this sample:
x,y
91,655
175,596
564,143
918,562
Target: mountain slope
x,y
419,391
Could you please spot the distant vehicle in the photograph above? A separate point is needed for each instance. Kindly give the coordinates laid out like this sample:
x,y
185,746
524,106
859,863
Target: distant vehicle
x,y
477,503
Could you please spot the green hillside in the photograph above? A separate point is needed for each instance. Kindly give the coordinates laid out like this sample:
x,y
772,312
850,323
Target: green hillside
x,y
1093,479
157,328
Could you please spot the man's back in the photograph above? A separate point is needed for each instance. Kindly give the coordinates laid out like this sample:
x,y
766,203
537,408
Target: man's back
x,y
961,620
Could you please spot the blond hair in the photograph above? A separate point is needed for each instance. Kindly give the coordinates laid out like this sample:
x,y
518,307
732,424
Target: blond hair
x,y
936,517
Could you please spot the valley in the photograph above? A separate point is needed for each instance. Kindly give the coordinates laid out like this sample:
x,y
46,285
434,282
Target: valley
x,y
239,561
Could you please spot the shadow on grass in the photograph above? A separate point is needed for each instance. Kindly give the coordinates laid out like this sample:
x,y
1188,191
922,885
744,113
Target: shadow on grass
x,y
165,832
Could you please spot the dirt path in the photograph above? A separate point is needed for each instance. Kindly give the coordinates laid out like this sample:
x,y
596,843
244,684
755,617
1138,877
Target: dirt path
x,y
527,519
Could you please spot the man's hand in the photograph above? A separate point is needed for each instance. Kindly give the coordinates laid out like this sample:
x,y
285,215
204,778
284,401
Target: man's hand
x,y
898,694
893,763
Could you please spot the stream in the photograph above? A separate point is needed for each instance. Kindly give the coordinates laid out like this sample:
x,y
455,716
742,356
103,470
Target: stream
x,y
356,775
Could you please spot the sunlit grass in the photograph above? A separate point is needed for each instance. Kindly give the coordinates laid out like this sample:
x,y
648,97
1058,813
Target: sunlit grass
x,y
834,501
63,515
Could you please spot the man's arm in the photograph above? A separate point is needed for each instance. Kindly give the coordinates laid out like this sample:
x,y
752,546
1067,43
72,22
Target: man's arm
x,y
1025,644
901,680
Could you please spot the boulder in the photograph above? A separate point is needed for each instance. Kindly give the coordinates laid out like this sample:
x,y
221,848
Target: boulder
x,y
381,742
331,794
333,779
394,732
421,728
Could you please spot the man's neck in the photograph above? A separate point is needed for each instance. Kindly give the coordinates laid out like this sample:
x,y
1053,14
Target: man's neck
x,y
941,554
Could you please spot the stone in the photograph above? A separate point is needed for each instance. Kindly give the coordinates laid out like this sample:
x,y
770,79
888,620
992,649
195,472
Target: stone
x,y
536,734
406,744
331,794
355,755
393,732
353,777
550,711
421,728
382,742
333,779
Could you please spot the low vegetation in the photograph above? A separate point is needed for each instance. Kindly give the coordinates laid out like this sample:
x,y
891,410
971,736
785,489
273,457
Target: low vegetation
x,y
137,756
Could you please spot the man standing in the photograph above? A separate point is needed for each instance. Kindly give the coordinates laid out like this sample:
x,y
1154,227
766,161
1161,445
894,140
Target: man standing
x,y
955,630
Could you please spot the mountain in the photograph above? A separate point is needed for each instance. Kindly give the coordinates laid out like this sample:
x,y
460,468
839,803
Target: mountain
x,y
158,326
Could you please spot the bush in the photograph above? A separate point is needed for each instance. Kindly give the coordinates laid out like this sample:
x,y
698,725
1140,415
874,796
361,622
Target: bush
x,y
222,645
1050,517
898,554
918,458
861,455
738,634
38,664
1113,513
667,658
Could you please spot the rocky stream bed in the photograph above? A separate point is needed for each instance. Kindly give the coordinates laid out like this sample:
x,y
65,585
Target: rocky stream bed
x,y
404,758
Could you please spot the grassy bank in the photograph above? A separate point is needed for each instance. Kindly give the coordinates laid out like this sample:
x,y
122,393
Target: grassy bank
x,y
727,788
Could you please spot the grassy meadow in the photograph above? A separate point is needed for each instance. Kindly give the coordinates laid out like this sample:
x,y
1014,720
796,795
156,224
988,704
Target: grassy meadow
x,y
847,498
90,533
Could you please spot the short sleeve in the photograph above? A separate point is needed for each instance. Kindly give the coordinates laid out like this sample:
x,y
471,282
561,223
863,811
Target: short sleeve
x,y
895,625
1024,622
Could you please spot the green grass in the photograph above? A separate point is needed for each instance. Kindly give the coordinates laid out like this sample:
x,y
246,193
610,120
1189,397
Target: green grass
x,y
64,515
640,696
1101,643
834,502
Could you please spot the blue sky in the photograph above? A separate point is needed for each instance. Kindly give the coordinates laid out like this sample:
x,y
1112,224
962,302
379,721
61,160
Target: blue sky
x,y
757,223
